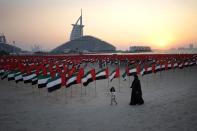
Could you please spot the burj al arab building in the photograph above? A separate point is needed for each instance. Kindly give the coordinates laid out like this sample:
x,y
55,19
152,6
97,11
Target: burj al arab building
x,y
77,30
80,43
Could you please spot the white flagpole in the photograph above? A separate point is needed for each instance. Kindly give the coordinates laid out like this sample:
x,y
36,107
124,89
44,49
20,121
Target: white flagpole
x,y
107,84
81,89
71,91
119,82
85,90
95,87
65,95
56,95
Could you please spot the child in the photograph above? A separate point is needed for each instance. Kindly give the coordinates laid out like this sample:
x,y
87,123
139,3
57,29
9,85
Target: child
x,y
113,95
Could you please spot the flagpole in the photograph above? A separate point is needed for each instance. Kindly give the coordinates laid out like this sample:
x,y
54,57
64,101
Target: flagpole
x,y
107,85
146,81
33,89
47,93
71,91
16,85
129,80
39,91
56,94
81,89
95,87
119,83
65,95
85,90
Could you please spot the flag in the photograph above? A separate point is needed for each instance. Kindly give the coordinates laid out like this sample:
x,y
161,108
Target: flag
x,y
102,74
72,80
28,77
11,76
124,76
42,80
63,78
88,77
2,72
75,78
139,70
18,77
157,67
147,69
153,68
80,75
114,74
180,64
34,80
71,72
132,71
5,75
54,83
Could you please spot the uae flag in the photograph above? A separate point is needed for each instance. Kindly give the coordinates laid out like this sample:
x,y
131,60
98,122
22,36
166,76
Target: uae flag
x,y
157,67
72,80
147,69
11,76
54,84
18,77
102,74
42,80
5,75
2,72
28,77
186,63
75,78
180,64
34,81
124,76
175,65
88,77
131,71
114,74
169,65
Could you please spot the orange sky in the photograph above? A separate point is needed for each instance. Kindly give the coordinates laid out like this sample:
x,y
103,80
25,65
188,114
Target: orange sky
x,y
156,23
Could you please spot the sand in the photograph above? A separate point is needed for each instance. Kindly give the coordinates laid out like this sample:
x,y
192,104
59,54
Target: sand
x,y
170,105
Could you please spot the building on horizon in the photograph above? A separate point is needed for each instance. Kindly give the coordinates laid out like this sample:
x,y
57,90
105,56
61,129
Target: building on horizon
x,y
80,43
191,46
77,30
2,39
140,49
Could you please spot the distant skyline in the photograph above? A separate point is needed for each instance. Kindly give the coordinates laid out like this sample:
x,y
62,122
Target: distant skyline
x,y
161,24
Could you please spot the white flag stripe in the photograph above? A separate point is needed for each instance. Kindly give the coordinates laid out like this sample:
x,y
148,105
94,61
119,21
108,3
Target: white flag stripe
x,y
53,83
85,79
112,76
29,77
11,75
132,70
42,81
72,79
103,73
18,77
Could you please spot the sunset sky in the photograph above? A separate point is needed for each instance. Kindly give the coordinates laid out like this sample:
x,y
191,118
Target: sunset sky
x,y
161,24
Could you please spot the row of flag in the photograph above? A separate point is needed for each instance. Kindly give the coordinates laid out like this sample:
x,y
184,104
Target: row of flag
x,y
54,76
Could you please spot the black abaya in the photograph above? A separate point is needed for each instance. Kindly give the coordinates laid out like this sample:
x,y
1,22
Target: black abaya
x,y
136,94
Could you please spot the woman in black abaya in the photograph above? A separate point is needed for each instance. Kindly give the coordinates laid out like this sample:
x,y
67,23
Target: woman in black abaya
x,y
136,94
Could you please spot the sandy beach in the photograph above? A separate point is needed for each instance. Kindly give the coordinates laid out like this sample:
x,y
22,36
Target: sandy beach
x,y
170,105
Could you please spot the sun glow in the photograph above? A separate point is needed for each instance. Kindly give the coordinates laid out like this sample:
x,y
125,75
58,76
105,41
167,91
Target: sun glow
x,y
162,44
162,41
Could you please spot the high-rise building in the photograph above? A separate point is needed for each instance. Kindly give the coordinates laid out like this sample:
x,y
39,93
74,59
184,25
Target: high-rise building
x,y
77,30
